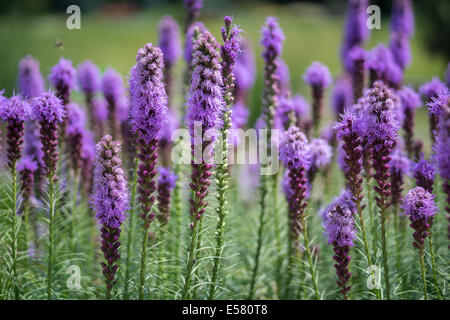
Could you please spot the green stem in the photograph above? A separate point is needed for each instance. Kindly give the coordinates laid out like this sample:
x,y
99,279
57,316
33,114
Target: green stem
x,y
384,250
160,258
278,242
143,260
177,214
433,265
74,211
13,230
190,264
51,211
130,230
422,270
290,267
263,193
309,255
197,254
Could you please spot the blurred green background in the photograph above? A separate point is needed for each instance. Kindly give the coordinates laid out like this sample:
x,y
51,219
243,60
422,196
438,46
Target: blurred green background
x,y
111,33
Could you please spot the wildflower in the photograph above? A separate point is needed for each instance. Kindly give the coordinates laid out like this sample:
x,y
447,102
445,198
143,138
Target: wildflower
x,y
409,101
31,82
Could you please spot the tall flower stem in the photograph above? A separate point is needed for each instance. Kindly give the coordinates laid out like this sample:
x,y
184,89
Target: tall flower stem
x,y
130,233
73,221
309,256
51,212
13,230
177,212
278,242
422,272
433,265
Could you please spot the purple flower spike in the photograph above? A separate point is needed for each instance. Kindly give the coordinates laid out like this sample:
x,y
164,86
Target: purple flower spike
x,y
31,82
193,8
382,66
318,77
342,96
76,119
111,203
424,173
295,150
357,58
420,207
283,76
26,168
63,78
340,229
321,153
430,89
190,40
15,111
356,31
88,77
169,40
401,50
50,112
292,109
409,101
272,40
244,71
114,92
166,183
402,18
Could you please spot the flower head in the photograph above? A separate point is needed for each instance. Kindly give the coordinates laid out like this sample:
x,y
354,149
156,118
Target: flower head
x,y
442,144
339,226
88,76
31,82
400,161
149,99
272,39
402,18
380,116
297,105
15,108
419,204
401,50
283,76
349,124
76,118
167,177
342,96
245,69
63,76
320,152
169,40
438,102
409,99
190,40
110,187
205,104
48,107
27,163
239,115
424,173
113,87
317,75
381,61
230,50
295,149
430,89
355,54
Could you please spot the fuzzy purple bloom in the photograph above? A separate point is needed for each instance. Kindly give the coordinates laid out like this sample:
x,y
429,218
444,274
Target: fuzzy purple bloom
x,y
424,172
169,40
63,78
49,108
26,168
283,76
205,103
272,39
245,70
76,119
356,31
430,89
239,116
399,166
342,95
88,77
190,40
339,226
442,145
320,152
31,82
401,50
437,103
317,75
296,106
115,94
295,149
193,8
383,67
402,18
110,200
15,108
409,101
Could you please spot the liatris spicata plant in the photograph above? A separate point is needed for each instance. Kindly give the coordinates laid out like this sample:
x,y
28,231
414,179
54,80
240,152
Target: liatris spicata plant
x,y
114,92
284,78
110,200
193,8
402,17
244,72
419,206
342,95
99,116
26,168
50,112
349,132
205,105
442,149
272,42
382,67
15,111
318,77
428,91
31,82
424,172
291,110
399,166
340,229
63,79
148,109
321,153
170,45
356,31
409,102
400,49
89,82
357,57
229,52
381,131
295,156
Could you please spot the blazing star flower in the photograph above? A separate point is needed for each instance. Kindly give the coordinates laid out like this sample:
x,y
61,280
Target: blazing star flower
x,y
169,40
420,207
321,153
318,77
424,173
283,76
383,67
356,31
245,70
114,92
401,50
88,77
63,78
402,18
76,119
50,112
357,63
430,89
296,106
31,82
193,8
26,168
166,183
342,96
400,165
111,203
189,44
15,111
295,150
409,101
